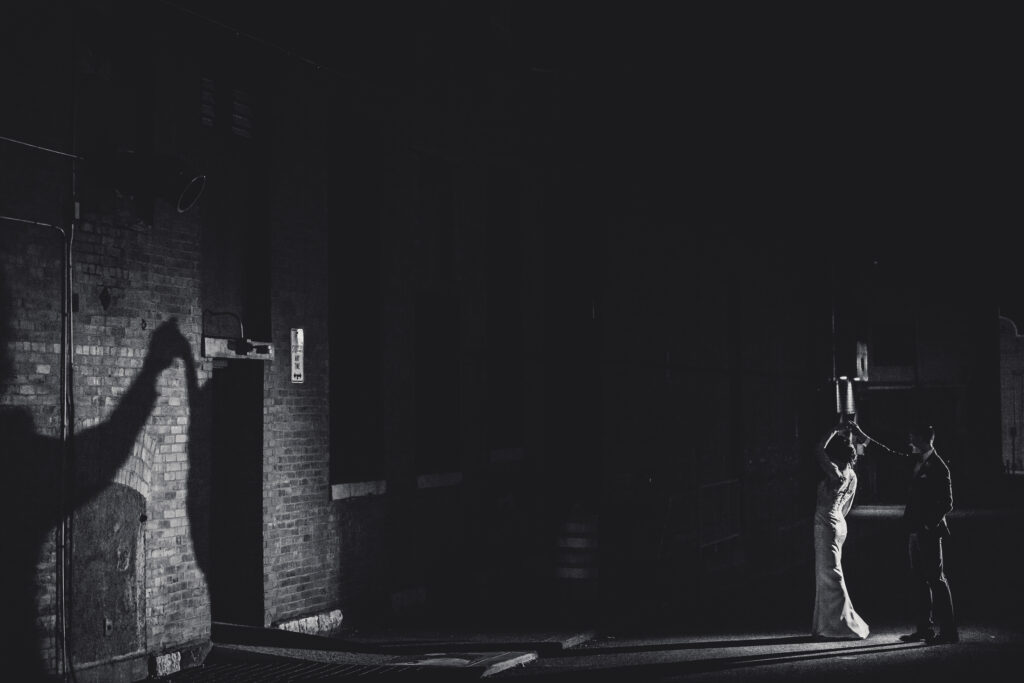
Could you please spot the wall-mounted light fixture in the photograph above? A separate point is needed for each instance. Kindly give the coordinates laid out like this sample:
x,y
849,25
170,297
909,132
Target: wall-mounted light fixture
x,y
161,175
845,405
178,183
236,348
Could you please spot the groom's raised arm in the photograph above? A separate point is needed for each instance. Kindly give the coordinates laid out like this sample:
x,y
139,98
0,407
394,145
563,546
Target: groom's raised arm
x,y
101,450
864,441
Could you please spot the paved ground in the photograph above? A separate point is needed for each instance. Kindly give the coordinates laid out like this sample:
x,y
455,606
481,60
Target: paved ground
x,y
760,634
986,653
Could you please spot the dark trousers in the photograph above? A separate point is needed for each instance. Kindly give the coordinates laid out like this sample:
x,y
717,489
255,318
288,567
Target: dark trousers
x,y
931,590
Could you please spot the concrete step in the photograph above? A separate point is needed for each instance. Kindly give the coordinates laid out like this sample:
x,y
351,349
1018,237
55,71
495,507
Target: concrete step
x,y
332,665
407,640
258,664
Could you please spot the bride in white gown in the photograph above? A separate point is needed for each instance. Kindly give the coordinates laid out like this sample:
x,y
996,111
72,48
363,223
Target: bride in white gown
x,y
834,616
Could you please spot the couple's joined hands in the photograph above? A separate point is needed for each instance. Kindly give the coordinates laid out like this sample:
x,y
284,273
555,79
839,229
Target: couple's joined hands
x,y
166,344
848,426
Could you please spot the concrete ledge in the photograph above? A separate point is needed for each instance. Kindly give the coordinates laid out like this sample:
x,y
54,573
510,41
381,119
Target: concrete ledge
x,y
358,489
398,641
439,665
325,623
167,664
173,661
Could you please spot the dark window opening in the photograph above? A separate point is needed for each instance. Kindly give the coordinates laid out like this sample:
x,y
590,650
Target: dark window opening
x,y
438,323
437,384
505,335
354,245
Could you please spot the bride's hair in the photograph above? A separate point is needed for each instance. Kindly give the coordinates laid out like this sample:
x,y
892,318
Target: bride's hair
x,y
845,456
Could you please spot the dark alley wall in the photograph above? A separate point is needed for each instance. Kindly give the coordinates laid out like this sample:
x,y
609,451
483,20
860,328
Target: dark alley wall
x,y
436,295
301,544
714,347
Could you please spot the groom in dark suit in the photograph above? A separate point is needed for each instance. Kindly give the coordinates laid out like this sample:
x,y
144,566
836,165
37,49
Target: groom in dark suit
x,y
930,498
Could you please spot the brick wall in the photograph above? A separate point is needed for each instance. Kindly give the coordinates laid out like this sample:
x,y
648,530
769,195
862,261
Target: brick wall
x,y
30,290
150,274
128,277
301,540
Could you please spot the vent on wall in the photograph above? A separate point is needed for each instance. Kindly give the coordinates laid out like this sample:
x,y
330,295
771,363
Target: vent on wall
x,y
208,102
241,112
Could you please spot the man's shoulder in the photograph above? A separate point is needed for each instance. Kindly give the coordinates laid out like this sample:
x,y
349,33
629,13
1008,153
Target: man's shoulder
x,y
937,464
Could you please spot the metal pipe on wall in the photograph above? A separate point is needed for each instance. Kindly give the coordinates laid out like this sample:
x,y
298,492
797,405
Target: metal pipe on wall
x,y
67,470
40,148
68,461
66,417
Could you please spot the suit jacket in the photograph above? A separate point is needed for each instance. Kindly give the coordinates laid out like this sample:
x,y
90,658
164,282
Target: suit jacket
x,y
930,498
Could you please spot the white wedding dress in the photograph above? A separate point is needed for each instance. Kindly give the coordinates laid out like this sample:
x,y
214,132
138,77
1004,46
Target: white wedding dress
x,y
834,616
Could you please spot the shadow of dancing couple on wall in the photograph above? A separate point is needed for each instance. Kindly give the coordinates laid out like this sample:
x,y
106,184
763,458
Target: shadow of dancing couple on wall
x,y
32,491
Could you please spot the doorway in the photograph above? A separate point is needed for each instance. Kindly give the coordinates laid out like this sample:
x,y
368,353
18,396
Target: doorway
x,y
236,495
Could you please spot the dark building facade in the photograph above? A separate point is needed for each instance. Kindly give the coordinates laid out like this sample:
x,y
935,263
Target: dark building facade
x,y
562,349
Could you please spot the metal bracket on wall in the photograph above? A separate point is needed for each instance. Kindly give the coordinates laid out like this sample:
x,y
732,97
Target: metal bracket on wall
x,y
238,349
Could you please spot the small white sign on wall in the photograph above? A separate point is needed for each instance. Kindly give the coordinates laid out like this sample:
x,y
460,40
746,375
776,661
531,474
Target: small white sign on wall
x,y
298,372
